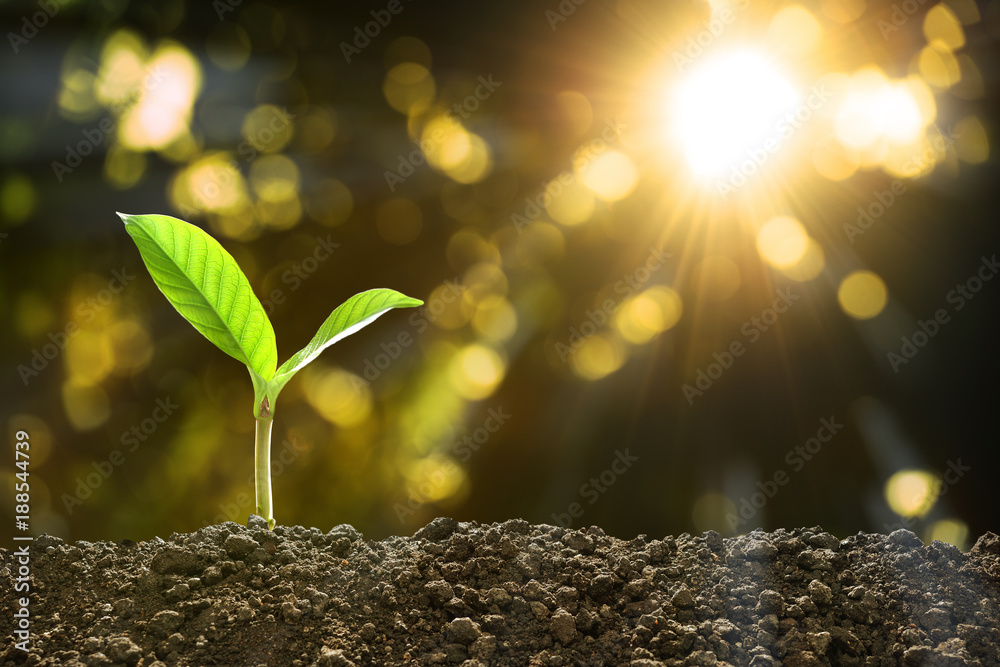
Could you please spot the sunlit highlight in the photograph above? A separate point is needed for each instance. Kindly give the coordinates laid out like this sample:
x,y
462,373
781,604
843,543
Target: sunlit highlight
x,y
876,109
122,68
794,29
167,96
727,106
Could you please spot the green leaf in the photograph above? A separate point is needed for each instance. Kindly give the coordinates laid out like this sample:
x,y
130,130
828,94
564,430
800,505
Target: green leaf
x,y
357,312
206,286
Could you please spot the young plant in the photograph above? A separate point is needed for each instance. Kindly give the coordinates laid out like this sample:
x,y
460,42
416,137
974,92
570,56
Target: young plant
x,y
206,286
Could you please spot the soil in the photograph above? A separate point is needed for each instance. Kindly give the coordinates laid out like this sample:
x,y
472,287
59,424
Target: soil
x,y
507,594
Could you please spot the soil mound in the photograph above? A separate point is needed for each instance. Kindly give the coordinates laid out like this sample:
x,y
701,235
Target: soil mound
x,y
509,593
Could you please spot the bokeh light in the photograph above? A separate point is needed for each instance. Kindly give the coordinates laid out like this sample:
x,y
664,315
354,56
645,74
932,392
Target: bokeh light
x,y
862,295
476,371
810,264
339,397
911,493
943,27
598,356
409,88
18,200
86,405
648,314
172,80
952,531
876,109
611,175
495,319
795,30
570,202
782,241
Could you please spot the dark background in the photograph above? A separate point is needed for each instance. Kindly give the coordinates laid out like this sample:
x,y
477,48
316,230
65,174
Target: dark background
x,y
388,465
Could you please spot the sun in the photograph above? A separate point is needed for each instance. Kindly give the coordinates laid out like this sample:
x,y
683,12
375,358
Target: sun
x,y
726,106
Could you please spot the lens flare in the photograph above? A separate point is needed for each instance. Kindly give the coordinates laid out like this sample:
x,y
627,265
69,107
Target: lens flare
x,y
726,107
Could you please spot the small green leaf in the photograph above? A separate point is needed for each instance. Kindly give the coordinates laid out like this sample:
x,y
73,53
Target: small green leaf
x,y
206,286
357,312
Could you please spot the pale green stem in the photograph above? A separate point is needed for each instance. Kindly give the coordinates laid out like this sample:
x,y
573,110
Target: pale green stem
x,y
262,470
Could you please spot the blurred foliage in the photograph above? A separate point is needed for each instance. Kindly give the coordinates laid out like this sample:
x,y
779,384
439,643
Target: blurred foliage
x,y
538,177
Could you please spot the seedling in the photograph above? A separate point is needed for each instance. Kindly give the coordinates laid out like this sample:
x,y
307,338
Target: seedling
x,y
206,286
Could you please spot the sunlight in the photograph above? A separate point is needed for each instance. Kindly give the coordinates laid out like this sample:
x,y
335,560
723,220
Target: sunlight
x,y
726,107
876,108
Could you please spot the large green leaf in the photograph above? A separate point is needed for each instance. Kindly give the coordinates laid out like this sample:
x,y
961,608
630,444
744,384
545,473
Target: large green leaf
x,y
206,286
357,312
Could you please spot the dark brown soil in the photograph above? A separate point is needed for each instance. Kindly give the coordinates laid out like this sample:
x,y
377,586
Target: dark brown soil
x,y
507,594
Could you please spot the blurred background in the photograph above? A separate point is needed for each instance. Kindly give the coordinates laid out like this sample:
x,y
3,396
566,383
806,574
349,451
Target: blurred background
x,y
686,265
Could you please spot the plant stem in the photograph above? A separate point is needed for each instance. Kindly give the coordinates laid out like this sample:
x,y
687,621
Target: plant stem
x,y
262,470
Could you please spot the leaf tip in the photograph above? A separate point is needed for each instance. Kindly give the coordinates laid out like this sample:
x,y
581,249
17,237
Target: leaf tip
x,y
123,216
